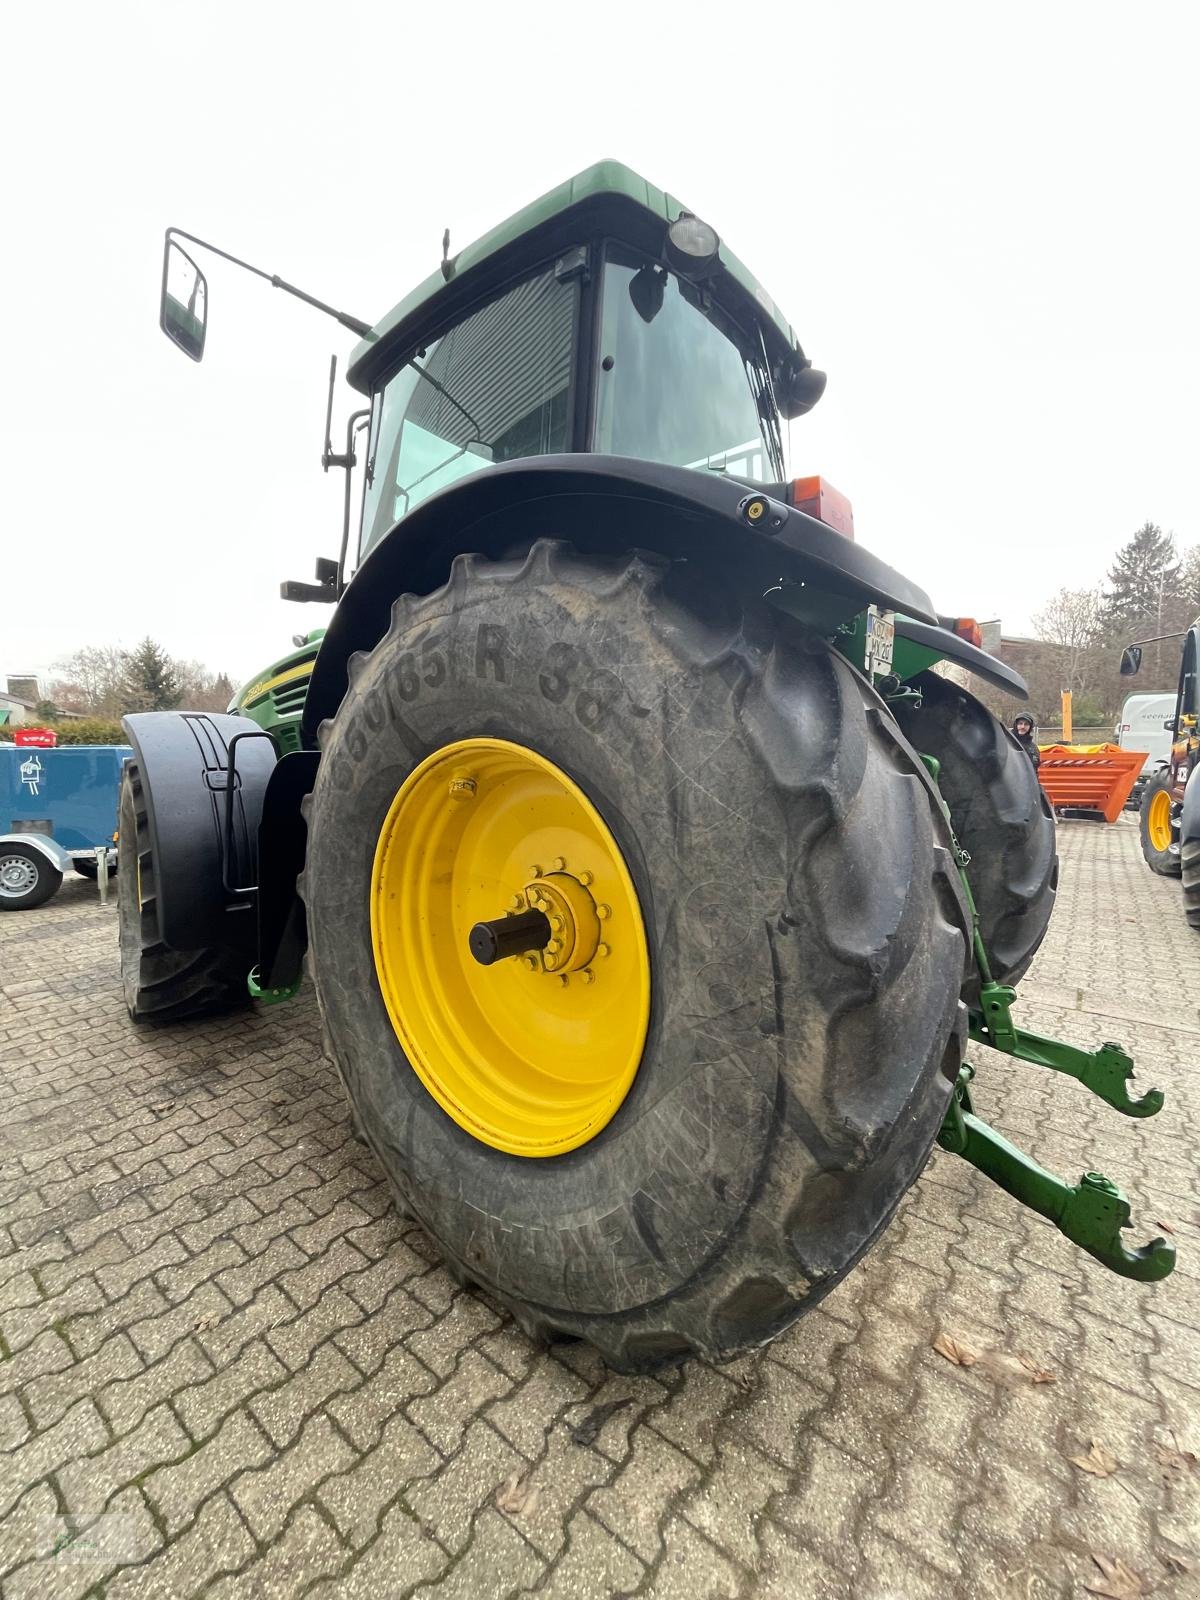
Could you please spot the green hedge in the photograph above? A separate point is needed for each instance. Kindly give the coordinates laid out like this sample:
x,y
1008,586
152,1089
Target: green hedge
x,y
89,730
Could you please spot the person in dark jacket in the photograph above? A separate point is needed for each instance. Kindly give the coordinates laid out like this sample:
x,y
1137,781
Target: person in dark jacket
x,y
1025,734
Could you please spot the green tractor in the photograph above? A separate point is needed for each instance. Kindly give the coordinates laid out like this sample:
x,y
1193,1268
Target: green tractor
x,y
1169,813
651,879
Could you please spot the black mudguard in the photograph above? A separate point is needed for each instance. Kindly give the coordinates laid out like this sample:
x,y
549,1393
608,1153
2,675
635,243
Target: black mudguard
x,y
602,505
955,648
205,874
282,840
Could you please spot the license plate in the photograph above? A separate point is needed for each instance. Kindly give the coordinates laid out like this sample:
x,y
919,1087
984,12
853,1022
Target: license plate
x,y
881,638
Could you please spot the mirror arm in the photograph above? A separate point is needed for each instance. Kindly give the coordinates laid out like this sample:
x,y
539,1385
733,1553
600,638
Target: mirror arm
x,y
355,324
1159,638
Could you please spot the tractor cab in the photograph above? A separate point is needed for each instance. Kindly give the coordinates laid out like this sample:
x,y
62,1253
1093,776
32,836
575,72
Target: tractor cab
x,y
604,318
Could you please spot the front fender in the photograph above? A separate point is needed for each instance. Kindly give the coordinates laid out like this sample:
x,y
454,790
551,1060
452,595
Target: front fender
x,y
601,504
183,763
943,645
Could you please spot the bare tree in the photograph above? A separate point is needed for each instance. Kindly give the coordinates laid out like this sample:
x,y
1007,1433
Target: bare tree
x,y
90,681
203,690
1071,624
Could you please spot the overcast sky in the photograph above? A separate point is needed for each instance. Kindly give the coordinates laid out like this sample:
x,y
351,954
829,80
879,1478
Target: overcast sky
x,y
981,221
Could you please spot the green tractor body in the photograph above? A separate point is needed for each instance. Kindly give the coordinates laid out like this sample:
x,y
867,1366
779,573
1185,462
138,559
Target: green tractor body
x,y
274,698
651,878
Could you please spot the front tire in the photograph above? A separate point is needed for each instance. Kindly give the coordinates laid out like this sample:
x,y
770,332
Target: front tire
x,y
803,920
161,984
1001,817
1156,826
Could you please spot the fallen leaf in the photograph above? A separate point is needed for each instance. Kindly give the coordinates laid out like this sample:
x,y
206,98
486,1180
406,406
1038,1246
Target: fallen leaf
x,y
1099,1461
960,1354
162,1105
1175,1460
1165,1226
278,1099
209,1320
1036,1374
1174,1564
516,1495
1016,1371
587,1431
1116,1582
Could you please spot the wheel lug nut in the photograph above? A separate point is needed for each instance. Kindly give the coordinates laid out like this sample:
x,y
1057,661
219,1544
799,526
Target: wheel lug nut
x,y
603,950
518,900
531,962
563,979
553,947
588,975
559,864
603,912
557,924
585,878
535,871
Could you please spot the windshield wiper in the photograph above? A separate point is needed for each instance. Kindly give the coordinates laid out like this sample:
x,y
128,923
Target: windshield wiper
x,y
768,406
446,395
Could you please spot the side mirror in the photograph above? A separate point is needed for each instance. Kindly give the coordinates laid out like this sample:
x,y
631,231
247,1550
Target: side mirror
x,y
799,390
647,288
1131,661
183,309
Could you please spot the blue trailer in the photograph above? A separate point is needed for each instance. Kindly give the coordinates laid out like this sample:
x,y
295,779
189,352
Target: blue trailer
x,y
58,813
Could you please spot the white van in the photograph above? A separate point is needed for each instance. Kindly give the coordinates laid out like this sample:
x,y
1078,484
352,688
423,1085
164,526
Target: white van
x,y
1146,725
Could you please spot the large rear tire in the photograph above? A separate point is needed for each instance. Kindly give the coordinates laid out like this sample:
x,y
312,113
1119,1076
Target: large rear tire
x,y
804,924
1156,826
161,984
1001,817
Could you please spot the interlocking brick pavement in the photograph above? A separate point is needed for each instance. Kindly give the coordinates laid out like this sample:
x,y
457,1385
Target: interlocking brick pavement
x,y
214,1329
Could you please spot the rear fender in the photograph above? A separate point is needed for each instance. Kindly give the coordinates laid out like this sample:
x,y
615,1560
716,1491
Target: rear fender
x,y
204,883
602,505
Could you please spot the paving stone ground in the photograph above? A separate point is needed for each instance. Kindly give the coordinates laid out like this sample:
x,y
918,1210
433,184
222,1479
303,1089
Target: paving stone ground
x,y
215,1332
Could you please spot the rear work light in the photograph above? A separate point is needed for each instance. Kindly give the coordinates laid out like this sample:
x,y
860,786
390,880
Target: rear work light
x,y
821,500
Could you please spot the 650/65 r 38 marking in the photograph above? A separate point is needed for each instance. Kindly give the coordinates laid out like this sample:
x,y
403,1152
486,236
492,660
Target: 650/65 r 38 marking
x,y
804,931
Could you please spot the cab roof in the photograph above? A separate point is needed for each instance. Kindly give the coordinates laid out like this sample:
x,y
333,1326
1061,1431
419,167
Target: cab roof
x,y
607,198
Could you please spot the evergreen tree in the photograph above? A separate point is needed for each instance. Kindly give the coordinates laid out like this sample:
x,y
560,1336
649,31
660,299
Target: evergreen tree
x,y
1143,583
150,681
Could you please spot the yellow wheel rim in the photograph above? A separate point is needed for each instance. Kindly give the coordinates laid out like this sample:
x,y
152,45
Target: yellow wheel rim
x,y
1158,821
535,1053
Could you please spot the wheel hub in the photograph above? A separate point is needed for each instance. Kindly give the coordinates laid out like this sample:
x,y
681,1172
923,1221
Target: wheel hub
x,y
17,875
509,947
1158,823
